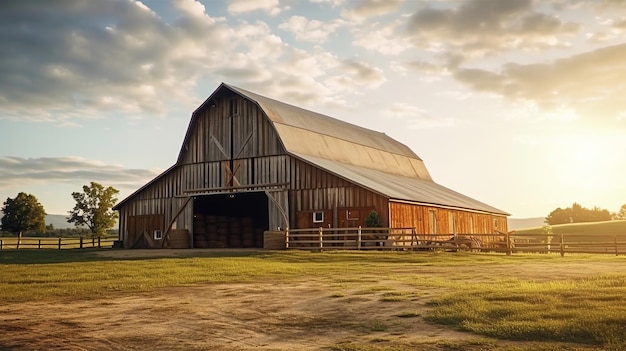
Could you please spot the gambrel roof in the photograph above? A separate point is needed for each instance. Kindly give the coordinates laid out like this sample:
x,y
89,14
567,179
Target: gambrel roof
x,y
361,156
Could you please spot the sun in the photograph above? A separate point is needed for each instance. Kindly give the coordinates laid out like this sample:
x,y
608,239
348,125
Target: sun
x,y
584,162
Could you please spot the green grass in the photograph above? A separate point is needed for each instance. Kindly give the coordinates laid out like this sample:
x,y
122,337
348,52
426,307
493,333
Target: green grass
x,y
592,229
589,311
481,293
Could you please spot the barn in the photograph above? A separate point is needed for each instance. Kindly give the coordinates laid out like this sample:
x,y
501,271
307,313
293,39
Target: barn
x,y
249,164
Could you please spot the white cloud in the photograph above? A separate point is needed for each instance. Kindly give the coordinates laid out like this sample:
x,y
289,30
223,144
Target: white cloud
x,y
310,30
479,28
415,117
333,3
243,6
365,9
191,7
17,171
587,85
383,38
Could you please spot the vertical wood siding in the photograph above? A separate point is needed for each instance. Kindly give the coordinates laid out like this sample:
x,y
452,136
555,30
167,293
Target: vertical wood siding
x,y
437,220
313,189
211,160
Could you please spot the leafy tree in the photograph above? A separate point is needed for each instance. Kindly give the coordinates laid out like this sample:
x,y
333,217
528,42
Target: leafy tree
x,y
93,208
23,213
559,216
578,214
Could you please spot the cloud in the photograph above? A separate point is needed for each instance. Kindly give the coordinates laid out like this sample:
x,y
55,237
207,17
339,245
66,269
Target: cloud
x,y
589,84
333,3
357,74
64,60
310,30
17,171
479,28
365,9
383,38
415,117
243,6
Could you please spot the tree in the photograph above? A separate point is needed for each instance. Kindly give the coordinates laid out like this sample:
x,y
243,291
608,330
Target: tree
x,y
373,220
621,214
93,208
23,213
559,216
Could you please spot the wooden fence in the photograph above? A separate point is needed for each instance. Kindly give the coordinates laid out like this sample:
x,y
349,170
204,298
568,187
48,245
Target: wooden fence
x,y
57,243
359,238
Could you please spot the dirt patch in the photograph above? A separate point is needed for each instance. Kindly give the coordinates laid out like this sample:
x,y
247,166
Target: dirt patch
x,y
298,316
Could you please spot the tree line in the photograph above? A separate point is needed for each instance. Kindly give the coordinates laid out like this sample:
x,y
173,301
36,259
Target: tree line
x,y
579,214
92,211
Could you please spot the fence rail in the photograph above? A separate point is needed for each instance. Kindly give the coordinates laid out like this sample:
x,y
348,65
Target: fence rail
x,y
57,243
359,238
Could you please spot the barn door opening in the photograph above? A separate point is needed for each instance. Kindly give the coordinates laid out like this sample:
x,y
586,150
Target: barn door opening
x,y
233,220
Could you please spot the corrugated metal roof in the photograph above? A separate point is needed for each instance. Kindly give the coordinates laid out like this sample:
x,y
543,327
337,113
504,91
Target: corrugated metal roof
x,y
400,187
307,132
362,156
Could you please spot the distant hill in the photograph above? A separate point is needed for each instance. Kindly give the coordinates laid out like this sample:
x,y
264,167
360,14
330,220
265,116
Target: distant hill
x,y
525,223
58,221
589,228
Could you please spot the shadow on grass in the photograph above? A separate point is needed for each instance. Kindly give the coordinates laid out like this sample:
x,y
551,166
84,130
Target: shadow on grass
x,y
48,256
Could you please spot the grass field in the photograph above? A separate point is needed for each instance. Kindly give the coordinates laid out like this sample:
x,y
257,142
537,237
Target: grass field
x,y
591,229
520,302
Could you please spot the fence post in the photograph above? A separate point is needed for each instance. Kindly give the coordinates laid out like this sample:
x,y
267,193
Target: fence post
x,y
562,246
286,238
81,242
99,242
0,244
59,243
358,239
320,236
39,244
93,242
508,243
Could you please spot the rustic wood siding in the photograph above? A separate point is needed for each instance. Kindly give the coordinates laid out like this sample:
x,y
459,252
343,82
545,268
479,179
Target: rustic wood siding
x,y
313,189
211,161
437,220
210,135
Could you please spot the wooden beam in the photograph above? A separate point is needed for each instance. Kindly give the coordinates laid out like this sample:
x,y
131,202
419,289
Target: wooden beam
x,y
223,189
169,227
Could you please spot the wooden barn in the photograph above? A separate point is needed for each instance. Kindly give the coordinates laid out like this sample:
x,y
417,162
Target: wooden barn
x,y
249,164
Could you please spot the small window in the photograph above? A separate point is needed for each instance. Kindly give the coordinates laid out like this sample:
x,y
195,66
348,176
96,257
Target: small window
x,y
158,235
352,215
318,217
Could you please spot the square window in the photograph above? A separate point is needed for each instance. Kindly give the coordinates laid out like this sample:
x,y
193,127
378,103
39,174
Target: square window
x,y
352,215
158,235
318,217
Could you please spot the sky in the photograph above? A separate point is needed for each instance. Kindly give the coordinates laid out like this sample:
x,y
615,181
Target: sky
x,y
520,104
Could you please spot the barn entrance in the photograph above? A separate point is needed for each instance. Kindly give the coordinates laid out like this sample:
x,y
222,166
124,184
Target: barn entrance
x,y
233,220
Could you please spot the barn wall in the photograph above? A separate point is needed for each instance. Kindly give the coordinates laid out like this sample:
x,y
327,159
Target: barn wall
x,y
313,189
437,220
212,162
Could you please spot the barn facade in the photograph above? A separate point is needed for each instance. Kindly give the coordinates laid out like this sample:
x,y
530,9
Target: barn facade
x,y
250,164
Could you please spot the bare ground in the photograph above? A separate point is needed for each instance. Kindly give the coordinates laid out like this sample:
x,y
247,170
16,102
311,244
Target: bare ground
x,y
305,315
